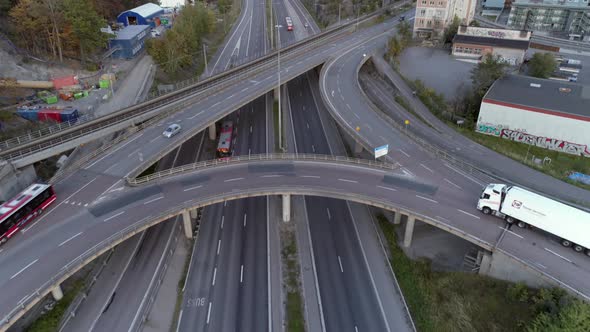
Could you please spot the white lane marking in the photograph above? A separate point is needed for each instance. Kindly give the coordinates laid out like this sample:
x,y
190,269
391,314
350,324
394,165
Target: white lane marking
x,y
467,213
218,246
250,129
511,232
224,203
68,240
155,138
307,125
329,215
244,89
449,181
222,220
431,171
117,149
541,265
194,116
192,188
356,329
348,106
24,268
310,176
153,200
217,103
209,313
357,116
465,175
45,214
245,219
114,216
242,273
235,179
346,180
313,148
551,251
427,199
405,154
108,169
271,176
386,188
340,263
214,276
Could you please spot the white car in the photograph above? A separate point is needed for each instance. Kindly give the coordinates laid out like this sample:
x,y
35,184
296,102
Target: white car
x,y
172,130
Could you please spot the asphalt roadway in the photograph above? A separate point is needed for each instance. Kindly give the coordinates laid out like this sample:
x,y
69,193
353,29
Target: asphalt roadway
x,y
350,108
226,288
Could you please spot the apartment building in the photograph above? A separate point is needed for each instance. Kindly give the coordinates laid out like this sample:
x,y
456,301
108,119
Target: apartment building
x,y
433,16
568,16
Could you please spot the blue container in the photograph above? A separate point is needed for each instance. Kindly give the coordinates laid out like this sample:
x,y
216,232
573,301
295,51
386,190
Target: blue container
x,y
30,114
69,115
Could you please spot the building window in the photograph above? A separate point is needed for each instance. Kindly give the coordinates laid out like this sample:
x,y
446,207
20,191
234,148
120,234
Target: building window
x,y
431,2
423,12
423,2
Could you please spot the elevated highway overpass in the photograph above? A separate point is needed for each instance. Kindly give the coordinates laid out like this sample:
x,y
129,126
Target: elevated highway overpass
x,y
436,154
70,238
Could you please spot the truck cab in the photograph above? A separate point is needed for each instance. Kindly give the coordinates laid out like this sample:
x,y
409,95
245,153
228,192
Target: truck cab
x,y
491,198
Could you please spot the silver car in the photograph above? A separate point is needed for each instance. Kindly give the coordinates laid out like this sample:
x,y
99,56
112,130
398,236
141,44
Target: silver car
x,y
172,130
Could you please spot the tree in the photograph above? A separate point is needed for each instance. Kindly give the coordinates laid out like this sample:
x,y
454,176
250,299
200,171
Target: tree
x,y
542,65
395,47
5,6
572,316
487,72
404,30
86,24
451,30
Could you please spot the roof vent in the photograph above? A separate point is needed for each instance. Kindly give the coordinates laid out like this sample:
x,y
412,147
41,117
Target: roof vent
x,y
535,85
565,90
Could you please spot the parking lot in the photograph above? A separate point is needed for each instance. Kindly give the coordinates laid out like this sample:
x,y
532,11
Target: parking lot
x,y
437,69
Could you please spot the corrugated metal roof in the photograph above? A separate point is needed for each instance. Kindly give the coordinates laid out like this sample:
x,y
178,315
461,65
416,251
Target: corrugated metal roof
x,y
550,95
146,10
131,31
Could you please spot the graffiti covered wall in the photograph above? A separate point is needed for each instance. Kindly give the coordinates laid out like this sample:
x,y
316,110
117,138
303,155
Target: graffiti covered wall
x,y
521,136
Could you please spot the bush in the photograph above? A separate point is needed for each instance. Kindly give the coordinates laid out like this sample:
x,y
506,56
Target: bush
x,y
518,292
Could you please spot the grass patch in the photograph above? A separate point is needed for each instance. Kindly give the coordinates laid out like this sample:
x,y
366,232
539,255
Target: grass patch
x,y
405,104
49,321
294,305
456,301
560,166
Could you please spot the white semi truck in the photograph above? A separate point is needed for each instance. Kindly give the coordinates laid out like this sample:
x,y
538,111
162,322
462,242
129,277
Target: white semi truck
x,y
522,207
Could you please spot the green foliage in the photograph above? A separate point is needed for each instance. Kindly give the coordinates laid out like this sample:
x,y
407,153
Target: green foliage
x,y
181,44
518,292
487,72
50,321
85,24
404,31
451,30
395,47
542,65
224,6
559,312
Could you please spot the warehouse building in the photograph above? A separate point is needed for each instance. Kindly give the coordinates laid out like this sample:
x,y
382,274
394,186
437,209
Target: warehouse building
x,y
148,14
545,113
129,41
474,42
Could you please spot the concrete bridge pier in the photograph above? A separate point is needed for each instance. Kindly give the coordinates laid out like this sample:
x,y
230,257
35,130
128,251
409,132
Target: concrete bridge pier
x,y
193,213
397,218
358,148
57,293
286,207
409,231
212,132
187,224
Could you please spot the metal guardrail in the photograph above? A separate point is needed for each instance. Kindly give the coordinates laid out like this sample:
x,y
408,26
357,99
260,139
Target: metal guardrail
x,y
198,166
9,149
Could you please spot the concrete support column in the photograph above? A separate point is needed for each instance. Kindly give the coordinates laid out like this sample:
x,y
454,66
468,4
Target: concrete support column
x,y
409,231
57,293
358,148
193,213
276,93
397,218
187,224
286,208
212,132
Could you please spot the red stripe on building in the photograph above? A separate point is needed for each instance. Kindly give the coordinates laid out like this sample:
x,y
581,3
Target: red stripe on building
x,y
538,110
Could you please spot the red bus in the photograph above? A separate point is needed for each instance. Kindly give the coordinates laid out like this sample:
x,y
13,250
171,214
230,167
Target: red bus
x,y
225,137
26,206
289,24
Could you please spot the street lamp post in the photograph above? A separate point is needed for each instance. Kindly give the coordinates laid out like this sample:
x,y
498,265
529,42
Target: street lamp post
x,y
278,26
205,57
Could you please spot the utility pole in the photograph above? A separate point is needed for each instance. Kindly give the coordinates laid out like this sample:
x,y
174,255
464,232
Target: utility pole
x,y
278,26
339,7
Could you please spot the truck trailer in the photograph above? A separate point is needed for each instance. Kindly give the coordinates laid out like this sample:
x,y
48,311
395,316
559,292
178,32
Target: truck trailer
x,y
524,208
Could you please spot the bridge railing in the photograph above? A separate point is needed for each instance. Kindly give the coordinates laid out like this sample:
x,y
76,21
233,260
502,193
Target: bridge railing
x,y
134,181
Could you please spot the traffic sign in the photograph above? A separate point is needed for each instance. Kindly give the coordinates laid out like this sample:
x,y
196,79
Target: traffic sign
x,y
381,151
